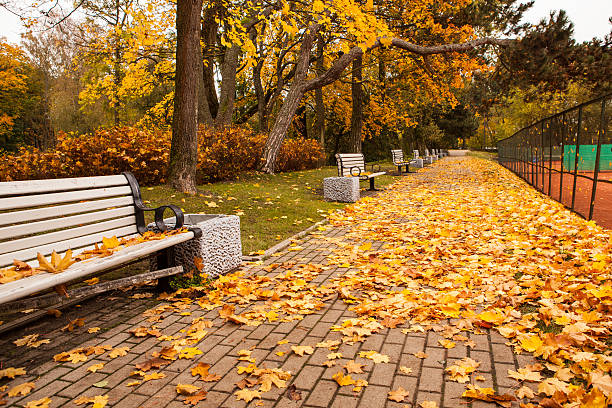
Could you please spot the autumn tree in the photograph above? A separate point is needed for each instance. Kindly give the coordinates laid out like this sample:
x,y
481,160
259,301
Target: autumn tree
x,y
24,118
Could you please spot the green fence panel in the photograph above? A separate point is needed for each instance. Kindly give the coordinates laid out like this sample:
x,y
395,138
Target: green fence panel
x,y
586,157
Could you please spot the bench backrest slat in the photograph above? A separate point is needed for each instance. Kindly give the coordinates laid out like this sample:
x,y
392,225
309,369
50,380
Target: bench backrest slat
x,y
56,215
62,246
11,203
67,184
20,230
60,210
397,155
346,161
40,240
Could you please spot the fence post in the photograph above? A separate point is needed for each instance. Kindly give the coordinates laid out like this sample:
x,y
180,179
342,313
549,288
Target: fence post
x,y
600,133
550,149
578,132
563,129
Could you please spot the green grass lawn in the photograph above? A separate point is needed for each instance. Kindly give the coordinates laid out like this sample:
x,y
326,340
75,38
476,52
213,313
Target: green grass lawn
x,y
271,207
482,155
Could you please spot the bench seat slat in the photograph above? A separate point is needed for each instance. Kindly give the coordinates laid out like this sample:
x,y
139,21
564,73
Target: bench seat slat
x,y
67,234
12,203
29,254
18,230
369,176
27,286
66,209
67,184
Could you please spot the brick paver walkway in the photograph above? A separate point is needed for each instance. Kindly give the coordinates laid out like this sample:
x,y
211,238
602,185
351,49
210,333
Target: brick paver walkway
x,y
116,314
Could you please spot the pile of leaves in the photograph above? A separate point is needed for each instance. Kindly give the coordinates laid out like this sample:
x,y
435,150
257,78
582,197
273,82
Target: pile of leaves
x,y
222,155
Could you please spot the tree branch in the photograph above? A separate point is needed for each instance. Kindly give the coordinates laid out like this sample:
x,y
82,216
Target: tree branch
x,y
335,71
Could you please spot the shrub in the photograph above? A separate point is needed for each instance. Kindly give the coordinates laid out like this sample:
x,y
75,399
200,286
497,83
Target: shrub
x,y
221,155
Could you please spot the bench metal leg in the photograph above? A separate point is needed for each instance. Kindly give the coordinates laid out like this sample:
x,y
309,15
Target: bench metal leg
x,y
372,185
164,261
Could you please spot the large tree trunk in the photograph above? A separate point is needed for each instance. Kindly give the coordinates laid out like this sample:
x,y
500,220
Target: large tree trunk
x,y
357,112
208,103
184,148
290,104
262,109
228,87
319,127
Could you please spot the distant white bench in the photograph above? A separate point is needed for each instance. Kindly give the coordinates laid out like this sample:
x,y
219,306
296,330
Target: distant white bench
x,y
42,216
397,156
425,159
354,165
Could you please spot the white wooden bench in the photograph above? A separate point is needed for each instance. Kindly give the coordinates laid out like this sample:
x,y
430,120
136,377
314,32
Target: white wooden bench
x,y
354,165
397,156
42,216
426,159
433,156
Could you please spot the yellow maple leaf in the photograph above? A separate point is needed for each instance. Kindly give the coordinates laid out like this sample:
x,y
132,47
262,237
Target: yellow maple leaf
x,y
110,243
41,403
21,389
531,343
398,395
118,352
187,389
301,350
95,367
446,343
247,395
342,379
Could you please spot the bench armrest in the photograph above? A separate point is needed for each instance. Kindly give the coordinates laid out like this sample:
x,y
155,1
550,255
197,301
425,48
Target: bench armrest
x,y
358,169
159,211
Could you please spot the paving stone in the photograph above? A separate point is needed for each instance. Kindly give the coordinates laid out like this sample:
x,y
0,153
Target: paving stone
x,y
431,379
308,377
484,358
374,396
429,396
393,351
52,388
261,332
85,382
373,342
345,401
395,336
322,394
452,395
414,344
482,342
502,353
382,374
501,375
435,357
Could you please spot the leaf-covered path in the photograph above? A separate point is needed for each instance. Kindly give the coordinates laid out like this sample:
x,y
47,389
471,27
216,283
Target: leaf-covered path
x,y
449,283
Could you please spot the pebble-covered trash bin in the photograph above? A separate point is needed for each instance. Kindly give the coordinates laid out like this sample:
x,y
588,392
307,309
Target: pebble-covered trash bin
x,y
341,189
219,247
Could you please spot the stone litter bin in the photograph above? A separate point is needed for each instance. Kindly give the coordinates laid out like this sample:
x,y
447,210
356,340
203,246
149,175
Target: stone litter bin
x,y
341,189
219,247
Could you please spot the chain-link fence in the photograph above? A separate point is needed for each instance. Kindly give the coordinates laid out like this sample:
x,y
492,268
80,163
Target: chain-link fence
x,y
569,157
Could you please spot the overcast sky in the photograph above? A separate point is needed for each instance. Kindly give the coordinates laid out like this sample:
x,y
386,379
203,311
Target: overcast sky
x,y
590,17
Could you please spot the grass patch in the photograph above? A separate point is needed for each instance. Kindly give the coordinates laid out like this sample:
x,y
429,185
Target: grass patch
x,y
482,155
271,207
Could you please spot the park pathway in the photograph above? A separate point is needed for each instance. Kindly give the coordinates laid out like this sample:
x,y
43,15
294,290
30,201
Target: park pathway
x,y
401,286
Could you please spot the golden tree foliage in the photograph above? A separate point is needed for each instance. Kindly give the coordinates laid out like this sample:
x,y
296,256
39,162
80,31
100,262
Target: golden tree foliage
x,y
129,50
12,84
